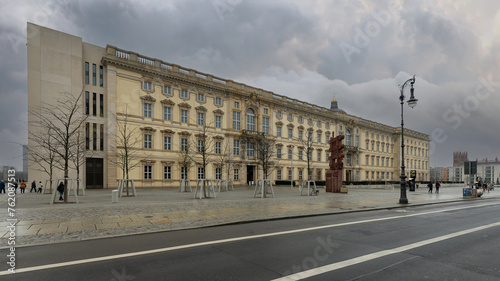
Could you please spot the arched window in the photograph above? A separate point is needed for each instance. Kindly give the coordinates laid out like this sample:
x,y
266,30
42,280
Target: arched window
x,y
250,120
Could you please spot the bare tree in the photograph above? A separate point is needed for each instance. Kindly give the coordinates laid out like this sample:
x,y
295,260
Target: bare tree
x,y
307,148
42,152
264,149
64,119
184,154
78,154
126,149
223,158
204,153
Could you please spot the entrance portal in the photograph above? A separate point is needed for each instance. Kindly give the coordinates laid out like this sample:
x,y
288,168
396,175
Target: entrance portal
x,y
94,173
250,172
348,175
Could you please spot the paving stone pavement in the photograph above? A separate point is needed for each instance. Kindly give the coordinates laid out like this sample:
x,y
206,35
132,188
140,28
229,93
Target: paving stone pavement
x,y
95,216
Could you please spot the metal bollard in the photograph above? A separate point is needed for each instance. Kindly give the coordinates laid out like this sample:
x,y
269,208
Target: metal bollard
x,y
114,196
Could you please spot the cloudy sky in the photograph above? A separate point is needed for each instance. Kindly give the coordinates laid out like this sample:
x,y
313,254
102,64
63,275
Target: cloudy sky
x,y
356,50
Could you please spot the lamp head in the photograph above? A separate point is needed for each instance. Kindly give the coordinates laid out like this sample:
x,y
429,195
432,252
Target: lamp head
x,y
412,102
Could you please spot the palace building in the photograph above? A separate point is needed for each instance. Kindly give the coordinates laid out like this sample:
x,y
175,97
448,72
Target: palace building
x,y
174,112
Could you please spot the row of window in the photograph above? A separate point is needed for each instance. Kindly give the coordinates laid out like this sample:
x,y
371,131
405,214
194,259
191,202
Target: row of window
x,y
300,118
96,145
94,74
184,94
94,104
200,173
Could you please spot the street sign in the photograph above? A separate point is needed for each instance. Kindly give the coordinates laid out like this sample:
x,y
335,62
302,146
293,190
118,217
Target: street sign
x,y
470,167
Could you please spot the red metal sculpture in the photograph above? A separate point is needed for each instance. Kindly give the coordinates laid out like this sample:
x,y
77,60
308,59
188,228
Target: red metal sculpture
x,y
335,174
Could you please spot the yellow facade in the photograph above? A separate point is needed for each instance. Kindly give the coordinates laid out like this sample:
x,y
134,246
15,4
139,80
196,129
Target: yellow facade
x,y
164,103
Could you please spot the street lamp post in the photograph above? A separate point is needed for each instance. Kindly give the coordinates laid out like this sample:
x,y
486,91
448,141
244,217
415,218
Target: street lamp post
x,y
412,102
291,168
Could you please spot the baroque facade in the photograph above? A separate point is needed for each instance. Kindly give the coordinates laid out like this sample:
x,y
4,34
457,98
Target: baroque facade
x,y
175,111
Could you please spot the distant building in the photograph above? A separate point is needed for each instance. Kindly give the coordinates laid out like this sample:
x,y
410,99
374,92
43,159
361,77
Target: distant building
x,y
166,104
459,158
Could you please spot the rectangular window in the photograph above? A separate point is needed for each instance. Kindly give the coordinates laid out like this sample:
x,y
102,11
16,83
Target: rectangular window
x,y
184,144
167,172
236,173
148,141
250,150
319,123
236,147
201,173
184,94
218,101
300,135
310,156
319,156
301,119
148,110
184,116
218,121
290,154
183,173
94,104
148,172
236,104
265,125
101,105
278,153
278,175
278,131
167,143
200,98
290,117
167,90
218,147
300,174
86,73
201,146
310,121
87,136
300,154
94,74
348,159
201,118
147,86
266,111
327,125
167,113
87,103
290,133
101,76
319,137
94,136
101,137
290,174
218,173
236,120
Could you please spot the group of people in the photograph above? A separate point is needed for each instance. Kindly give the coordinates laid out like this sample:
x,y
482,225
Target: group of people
x,y
430,186
21,184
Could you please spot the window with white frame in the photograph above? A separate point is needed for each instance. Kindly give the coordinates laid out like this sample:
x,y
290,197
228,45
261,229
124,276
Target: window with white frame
x,y
300,134
310,156
148,141
148,172
200,97
278,175
184,116
278,153
265,125
201,146
250,120
310,121
290,174
319,156
278,131
348,159
184,94
301,119
236,147
184,144
218,101
167,142
301,175
266,111
327,125
201,173
236,120
167,172
218,147
319,123
201,119
278,114
290,154
167,90
300,155
218,121
290,117
184,172
236,104
147,85
167,113
290,133
236,174
250,150
218,173
319,137
147,110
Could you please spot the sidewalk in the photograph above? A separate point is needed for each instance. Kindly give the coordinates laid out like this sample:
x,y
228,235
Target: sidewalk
x,y
152,210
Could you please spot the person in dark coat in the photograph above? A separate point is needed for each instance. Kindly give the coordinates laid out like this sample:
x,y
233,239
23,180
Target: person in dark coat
x,y
429,185
60,189
33,186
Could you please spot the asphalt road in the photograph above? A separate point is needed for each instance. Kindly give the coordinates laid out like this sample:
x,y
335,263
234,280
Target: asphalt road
x,y
454,241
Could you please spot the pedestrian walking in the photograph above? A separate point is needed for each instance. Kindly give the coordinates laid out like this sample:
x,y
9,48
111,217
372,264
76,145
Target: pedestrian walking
x,y
23,186
429,185
2,187
40,187
33,186
60,188
438,185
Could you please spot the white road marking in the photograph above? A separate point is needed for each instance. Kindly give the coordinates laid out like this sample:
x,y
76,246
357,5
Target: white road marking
x,y
376,255
207,243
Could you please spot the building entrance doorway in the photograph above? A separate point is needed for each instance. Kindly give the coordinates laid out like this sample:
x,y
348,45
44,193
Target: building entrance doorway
x,y
94,173
348,175
250,174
